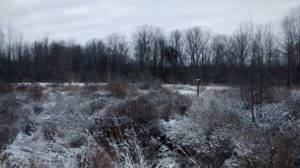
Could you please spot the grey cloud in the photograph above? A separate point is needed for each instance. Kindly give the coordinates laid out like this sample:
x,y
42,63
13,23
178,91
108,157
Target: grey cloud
x,y
84,19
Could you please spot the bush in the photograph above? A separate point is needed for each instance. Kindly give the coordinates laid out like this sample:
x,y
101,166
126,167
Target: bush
x,y
36,92
101,160
283,149
37,109
21,88
6,87
89,89
71,88
8,119
182,103
168,103
77,141
8,133
49,132
138,109
119,88
218,151
269,94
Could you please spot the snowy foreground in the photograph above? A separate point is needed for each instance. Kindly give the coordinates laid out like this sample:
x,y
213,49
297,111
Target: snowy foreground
x,y
95,125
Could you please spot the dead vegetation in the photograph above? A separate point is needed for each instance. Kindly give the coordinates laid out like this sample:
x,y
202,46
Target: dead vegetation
x,y
118,88
35,92
131,127
6,87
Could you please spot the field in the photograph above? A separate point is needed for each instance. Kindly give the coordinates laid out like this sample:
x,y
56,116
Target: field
x,y
139,126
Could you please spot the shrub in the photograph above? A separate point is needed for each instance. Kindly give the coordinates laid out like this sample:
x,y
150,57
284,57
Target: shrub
x,y
268,94
275,95
119,88
8,119
101,160
8,133
77,141
37,109
36,92
71,88
283,153
218,151
138,109
144,85
21,88
6,87
168,103
49,132
89,89
182,103
55,85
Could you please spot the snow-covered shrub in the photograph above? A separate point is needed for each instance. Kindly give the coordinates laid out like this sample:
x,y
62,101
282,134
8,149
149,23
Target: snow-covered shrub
x,y
267,94
129,153
139,109
49,132
118,88
9,106
37,108
90,88
203,133
36,92
59,137
127,142
256,147
168,103
157,128
71,88
137,117
22,88
100,160
279,94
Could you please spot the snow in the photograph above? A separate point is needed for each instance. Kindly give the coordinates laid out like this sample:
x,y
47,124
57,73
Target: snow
x,y
46,84
192,90
60,134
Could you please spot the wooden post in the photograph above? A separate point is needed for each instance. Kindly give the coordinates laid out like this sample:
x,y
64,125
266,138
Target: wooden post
x,y
198,86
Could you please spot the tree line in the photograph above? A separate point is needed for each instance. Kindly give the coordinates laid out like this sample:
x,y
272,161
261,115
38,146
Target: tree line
x,y
253,53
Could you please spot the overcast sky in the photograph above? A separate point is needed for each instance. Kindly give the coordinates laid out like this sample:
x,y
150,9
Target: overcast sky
x,y
85,19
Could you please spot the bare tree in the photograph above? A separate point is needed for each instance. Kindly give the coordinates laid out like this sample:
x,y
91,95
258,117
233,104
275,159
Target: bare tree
x,y
196,41
117,50
176,42
1,41
148,44
219,48
270,50
291,45
241,49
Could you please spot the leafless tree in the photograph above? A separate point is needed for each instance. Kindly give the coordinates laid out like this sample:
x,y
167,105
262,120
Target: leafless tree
x,y
148,44
196,41
271,48
291,45
176,42
219,48
117,50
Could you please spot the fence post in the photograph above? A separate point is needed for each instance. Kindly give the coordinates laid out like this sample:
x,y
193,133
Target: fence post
x,y
198,86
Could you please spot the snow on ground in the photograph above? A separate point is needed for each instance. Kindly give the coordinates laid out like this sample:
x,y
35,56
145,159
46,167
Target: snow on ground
x,y
52,126
192,90
56,133
45,84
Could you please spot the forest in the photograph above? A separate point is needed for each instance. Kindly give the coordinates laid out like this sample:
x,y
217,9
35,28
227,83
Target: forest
x,y
253,52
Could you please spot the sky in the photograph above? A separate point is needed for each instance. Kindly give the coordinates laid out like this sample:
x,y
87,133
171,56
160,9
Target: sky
x,y
81,20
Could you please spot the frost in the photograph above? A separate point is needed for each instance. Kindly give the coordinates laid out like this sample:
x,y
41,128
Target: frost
x,y
215,130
